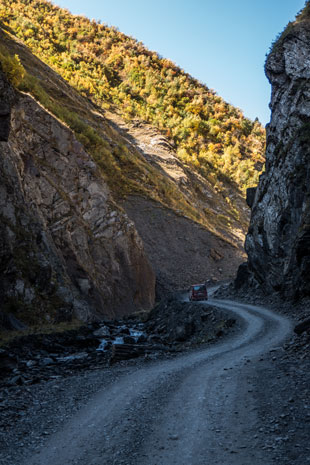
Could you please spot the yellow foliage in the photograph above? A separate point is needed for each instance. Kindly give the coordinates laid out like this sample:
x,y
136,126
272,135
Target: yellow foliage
x,y
12,67
114,69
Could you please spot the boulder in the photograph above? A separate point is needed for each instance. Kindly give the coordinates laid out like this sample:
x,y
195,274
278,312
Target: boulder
x,y
104,331
243,276
302,327
129,340
7,362
10,322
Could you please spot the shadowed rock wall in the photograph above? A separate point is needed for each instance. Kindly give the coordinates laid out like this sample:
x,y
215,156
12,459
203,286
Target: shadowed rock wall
x,y
65,247
278,241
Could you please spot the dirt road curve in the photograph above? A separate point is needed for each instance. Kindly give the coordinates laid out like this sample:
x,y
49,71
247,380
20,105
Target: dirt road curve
x,y
196,409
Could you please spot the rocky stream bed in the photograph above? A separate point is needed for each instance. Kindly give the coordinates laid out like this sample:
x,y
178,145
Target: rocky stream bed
x,y
171,327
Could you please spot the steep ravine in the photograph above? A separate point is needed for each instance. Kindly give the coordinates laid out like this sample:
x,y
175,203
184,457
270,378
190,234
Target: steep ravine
x,y
66,247
278,241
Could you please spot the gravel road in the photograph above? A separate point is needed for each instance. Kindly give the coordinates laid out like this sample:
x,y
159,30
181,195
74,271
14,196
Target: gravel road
x,y
198,408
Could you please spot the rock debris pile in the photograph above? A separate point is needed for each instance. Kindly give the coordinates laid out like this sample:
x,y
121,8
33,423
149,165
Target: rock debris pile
x,y
182,323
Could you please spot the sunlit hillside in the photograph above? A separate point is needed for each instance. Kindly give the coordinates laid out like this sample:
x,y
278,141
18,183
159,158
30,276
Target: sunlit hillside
x,y
119,73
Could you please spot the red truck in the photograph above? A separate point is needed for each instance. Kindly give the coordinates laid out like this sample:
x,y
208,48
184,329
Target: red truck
x,y
198,292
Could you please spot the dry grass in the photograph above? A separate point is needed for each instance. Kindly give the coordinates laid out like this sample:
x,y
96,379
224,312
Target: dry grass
x,y
9,336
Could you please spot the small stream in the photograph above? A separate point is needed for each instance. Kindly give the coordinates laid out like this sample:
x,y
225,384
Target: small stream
x,y
120,334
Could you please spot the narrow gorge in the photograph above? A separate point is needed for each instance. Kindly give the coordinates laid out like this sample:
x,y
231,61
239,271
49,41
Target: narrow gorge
x,y
124,182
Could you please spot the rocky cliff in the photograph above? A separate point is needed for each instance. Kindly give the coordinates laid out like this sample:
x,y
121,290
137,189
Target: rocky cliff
x,y
278,241
65,247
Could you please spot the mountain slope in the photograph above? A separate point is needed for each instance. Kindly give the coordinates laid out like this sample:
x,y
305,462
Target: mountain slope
x,y
122,164
116,70
222,214
141,164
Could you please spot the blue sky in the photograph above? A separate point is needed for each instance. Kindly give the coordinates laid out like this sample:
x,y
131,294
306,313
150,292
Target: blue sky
x,y
222,43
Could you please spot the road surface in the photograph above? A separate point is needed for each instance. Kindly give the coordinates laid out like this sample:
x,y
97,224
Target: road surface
x,y
197,409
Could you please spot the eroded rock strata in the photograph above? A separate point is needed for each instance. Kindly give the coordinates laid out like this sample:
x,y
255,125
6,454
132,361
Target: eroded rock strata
x,y
278,241
66,248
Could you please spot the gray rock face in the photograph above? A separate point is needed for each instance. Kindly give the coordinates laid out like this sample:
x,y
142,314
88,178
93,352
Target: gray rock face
x,y
278,241
65,246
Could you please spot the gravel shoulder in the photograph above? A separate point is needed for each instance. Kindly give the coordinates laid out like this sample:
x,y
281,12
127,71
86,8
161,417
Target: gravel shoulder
x,y
205,406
